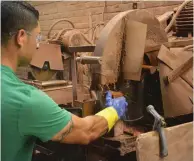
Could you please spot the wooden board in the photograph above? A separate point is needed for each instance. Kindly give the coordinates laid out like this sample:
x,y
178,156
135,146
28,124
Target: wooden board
x,y
134,49
176,96
179,141
50,53
64,95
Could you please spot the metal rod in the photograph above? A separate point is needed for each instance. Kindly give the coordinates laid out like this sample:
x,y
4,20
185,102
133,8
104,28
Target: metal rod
x,y
74,77
89,60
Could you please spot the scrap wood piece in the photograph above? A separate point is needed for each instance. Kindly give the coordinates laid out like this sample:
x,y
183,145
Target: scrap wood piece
x,y
179,71
176,95
179,141
63,94
171,44
173,61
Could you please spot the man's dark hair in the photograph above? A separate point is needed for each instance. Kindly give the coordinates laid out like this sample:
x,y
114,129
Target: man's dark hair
x,y
16,15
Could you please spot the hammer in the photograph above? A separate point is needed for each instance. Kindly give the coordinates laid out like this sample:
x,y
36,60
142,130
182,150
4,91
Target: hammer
x,y
159,125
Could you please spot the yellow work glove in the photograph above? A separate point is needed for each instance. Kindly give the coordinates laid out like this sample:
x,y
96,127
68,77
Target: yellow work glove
x,y
116,109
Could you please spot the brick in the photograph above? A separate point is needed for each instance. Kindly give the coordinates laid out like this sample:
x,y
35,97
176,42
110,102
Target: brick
x,y
44,28
66,25
126,2
113,8
169,3
150,4
37,3
97,18
81,25
92,4
82,19
125,7
62,7
111,3
46,17
162,10
45,9
109,16
47,23
68,15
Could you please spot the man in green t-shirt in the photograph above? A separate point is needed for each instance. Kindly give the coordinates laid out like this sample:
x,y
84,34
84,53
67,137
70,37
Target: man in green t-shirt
x,y
28,113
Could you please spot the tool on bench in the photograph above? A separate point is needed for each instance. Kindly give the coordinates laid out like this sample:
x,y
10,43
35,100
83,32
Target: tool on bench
x,y
159,124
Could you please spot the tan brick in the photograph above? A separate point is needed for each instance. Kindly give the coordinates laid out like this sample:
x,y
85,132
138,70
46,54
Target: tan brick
x,y
68,15
47,8
119,7
62,7
46,17
78,13
47,23
169,3
37,3
150,4
113,8
44,28
92,4
111,3
125,7
109,16
162,10
81,25
81,19
97,18
66,25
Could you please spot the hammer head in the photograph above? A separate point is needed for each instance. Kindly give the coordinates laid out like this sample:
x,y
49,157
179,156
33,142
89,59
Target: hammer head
x,y
159,120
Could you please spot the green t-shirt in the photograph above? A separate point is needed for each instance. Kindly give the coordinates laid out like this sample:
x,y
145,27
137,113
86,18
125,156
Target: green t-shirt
x,y
26,114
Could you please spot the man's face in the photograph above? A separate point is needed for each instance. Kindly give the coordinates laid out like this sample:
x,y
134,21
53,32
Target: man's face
x,y
28,45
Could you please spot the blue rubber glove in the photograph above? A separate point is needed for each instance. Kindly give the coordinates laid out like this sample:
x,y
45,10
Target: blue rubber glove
x,y
119,104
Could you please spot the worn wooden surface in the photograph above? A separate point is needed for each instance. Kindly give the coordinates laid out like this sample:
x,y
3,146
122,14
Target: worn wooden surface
x,y
109,46
63,95
180,70
135,33
175,96
179,141
50,53
114,43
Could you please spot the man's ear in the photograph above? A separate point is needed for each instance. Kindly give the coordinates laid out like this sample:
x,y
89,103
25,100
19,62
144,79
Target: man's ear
x,y
20,38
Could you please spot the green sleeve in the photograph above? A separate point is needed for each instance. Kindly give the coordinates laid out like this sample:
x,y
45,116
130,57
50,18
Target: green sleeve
x,y
40,116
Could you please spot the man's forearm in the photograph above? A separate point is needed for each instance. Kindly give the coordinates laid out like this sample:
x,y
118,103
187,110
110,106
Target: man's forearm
x,y
99,126
84,130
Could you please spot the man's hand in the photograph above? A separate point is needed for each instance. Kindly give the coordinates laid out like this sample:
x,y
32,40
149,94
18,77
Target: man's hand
x,y
119,104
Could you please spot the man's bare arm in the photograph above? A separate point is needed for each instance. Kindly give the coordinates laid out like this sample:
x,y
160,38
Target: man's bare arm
x,y
82,130
85,130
